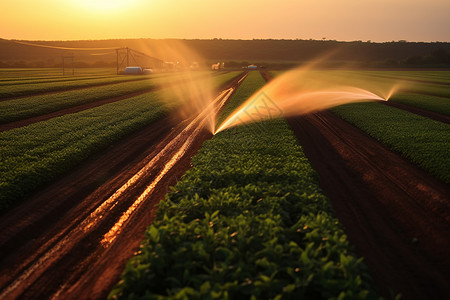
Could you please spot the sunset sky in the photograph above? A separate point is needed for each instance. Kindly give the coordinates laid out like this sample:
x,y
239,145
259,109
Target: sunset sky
x,y
345,20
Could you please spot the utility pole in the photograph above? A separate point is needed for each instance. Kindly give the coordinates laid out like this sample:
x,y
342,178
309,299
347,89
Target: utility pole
x,y
128,59
117,61
64,57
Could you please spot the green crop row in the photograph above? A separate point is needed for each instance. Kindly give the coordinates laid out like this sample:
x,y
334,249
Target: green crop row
x,y
248,221
431,103
17,109
421,140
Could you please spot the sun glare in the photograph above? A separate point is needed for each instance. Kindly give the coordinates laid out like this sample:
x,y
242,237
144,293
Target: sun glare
x,y
106,6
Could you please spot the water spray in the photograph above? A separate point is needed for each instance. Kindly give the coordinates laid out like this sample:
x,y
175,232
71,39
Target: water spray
x,y
303,91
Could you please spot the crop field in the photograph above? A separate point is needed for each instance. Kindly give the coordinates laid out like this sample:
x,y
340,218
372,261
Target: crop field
x,y
132,179
35,154
17,109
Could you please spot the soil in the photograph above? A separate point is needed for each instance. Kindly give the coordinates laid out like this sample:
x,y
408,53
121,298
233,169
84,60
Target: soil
x,y
395,214
52,244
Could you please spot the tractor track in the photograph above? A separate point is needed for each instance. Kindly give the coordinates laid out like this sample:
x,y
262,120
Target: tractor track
x,y
72,239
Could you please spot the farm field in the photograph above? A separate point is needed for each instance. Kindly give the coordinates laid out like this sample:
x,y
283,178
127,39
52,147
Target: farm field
x,y
196,150
349,203
28,107
29,88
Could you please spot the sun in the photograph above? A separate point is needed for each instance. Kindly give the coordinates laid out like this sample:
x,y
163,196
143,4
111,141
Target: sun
x,y
106,6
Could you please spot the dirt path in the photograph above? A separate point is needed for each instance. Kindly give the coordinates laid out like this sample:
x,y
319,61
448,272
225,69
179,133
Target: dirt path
x,y
395,214
72,239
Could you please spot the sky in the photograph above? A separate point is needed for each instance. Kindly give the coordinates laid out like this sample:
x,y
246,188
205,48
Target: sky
x,y
343,20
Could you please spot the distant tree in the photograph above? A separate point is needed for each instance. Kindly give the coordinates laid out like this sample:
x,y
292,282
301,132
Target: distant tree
x,y
441,56
20,64
414,60
4,64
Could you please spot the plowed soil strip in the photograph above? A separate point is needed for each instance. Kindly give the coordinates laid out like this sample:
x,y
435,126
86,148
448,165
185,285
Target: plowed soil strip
x,y
72,240
395,214
419,111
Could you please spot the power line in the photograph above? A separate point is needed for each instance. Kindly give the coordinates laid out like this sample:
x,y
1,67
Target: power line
x,y
65,48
